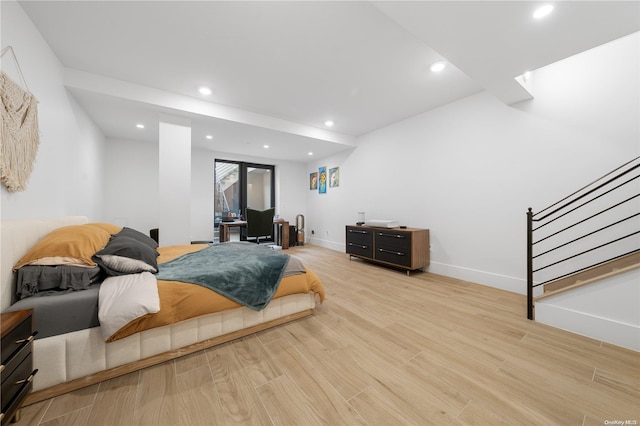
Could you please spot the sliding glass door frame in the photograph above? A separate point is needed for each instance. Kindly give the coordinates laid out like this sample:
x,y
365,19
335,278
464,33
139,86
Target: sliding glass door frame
x,y
243,178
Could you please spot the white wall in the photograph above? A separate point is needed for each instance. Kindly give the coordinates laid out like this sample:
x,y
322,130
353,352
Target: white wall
x,y
174,210
291,190
469,170
202,192
68,173
592,311
131,194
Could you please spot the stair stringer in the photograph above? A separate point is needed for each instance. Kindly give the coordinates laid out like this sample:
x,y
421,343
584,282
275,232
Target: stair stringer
x,y
606,310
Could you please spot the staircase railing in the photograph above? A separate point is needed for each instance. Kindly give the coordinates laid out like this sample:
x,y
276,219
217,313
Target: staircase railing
x,y
592,226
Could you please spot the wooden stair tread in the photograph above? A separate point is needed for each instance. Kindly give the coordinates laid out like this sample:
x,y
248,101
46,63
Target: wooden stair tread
x,y
606,270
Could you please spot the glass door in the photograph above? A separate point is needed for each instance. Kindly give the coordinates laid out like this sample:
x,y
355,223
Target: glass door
x,y
260,194
227,189
239,185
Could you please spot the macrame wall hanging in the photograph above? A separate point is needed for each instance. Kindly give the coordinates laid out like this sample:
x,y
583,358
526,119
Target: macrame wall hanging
x,y
19,134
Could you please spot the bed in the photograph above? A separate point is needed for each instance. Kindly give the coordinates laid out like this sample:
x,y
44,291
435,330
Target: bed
x,y
68,358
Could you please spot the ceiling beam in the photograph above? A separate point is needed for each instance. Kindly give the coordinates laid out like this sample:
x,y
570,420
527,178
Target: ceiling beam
x,y
76,79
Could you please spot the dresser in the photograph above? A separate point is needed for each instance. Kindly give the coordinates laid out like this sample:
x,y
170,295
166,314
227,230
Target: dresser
x,y
406,248
17,361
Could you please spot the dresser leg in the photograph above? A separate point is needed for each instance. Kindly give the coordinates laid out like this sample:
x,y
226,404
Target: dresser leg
x,y
16,417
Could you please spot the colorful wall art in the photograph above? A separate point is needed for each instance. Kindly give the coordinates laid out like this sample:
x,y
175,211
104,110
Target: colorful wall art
x,y
322,180
313,181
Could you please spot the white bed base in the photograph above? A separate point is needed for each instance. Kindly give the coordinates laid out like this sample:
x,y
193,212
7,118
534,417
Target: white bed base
x,y
81,358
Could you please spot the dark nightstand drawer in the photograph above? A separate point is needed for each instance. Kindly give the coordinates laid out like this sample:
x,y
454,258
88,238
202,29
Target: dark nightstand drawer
x,y
393,255
359,235
359,241
358,249
389,239
17,361
15,340
16,381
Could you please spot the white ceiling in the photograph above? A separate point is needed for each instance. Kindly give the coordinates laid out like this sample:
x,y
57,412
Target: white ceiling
x,y
278,70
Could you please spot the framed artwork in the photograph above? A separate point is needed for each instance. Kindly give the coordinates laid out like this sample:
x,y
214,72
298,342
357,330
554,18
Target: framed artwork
x,y
313,181
334,177
322,180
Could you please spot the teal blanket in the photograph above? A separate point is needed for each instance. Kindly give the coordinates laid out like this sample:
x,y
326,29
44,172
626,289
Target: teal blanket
x,y
244,272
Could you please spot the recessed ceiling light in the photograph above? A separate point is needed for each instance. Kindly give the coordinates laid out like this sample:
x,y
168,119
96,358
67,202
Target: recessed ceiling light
x,y
209,137
438,66
266,146
543,11
204,91
310,153
140,126
328,123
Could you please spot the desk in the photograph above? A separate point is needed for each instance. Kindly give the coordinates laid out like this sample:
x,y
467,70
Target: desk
x,y
282,235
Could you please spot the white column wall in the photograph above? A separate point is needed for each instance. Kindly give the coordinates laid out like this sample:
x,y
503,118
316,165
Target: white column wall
x,y
174,210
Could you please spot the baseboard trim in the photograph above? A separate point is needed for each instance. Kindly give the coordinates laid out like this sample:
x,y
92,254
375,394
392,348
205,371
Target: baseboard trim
x,y
327,244
599,328
502,282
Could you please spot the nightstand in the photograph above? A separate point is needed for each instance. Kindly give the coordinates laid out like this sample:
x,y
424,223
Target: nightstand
x,y
17,361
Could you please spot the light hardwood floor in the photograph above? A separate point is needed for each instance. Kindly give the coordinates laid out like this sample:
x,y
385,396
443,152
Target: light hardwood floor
x,y
384,349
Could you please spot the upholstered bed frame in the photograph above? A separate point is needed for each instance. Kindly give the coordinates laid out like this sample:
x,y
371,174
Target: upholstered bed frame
x,y
70,361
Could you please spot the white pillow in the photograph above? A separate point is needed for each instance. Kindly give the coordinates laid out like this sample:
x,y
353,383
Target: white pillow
x,y
124,298
126,265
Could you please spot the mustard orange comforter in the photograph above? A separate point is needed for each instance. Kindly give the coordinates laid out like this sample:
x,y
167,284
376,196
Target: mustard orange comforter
x,y
180,301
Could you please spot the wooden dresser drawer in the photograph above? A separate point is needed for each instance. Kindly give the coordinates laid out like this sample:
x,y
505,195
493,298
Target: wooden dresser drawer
x,y
357,234
17,361
14,343
396,239
16,381
359,241
396,256
393,247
